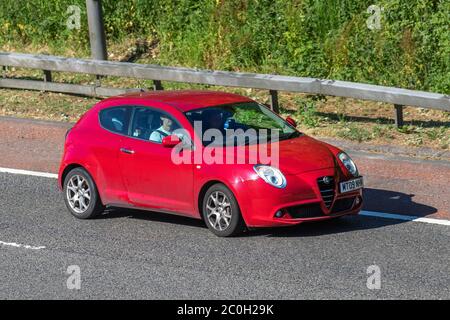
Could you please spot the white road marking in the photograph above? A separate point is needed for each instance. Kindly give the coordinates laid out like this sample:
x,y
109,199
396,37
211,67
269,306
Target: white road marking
x,y
29,173
18,245
363,213
404,217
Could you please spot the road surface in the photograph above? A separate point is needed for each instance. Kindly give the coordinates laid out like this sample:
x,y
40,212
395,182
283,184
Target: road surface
x,y
134,254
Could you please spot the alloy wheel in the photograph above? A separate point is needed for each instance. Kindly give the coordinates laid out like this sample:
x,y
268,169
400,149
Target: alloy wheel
x,y
78,194
219,211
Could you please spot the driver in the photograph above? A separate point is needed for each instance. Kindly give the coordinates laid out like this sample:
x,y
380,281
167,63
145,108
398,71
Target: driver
x,y
163,131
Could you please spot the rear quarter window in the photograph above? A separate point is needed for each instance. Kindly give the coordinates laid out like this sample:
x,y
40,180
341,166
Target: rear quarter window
x,y
115,119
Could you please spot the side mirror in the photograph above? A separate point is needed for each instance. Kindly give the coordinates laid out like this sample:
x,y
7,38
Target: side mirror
x,y
171,141
291,121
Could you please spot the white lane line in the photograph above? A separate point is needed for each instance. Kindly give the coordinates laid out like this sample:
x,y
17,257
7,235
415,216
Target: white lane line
x,y
18,245
405,218
29,173
363,213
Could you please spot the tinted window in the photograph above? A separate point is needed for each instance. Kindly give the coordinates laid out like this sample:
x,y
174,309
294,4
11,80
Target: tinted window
x,y
149,124
115,119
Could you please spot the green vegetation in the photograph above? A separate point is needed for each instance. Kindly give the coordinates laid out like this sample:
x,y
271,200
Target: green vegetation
x,y
310,38
313,38
307,113
428,128
353,132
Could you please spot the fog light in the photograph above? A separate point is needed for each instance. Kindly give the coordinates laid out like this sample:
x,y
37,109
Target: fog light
x,y
357,201
279,214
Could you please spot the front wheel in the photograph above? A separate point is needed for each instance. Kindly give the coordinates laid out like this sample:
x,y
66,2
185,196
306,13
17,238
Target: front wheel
x,y
221,212
81,195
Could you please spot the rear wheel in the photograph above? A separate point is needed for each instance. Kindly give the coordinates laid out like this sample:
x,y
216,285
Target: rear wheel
x,y
81,195
221,212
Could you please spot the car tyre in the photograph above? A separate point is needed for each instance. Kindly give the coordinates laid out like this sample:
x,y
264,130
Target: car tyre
x,y
221,212
81,195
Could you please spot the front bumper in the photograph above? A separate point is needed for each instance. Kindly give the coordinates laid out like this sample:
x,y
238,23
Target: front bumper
x,y
302,200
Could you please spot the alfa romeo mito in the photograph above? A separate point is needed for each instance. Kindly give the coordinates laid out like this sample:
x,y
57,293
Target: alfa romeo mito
x,y
215,156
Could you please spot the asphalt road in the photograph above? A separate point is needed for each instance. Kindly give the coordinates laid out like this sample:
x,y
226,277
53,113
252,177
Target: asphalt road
x,y
396,180
134,254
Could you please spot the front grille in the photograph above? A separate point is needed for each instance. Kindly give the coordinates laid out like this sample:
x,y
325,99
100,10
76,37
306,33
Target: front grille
x,y
341,205
326,187
312,210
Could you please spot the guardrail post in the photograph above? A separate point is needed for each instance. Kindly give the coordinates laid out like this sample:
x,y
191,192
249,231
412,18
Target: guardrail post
x,y
398,115
97,37
274,101
157,85
96,29
47,76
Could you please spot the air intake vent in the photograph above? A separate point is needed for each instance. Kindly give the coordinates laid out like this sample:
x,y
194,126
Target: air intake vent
x,y
326,187
343,205
306,211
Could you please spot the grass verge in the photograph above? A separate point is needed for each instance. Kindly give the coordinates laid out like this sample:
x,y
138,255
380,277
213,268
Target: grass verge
x,y
347,119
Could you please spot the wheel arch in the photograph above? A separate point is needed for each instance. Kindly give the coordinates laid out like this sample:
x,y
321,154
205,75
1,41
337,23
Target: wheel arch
x,y
202,192
72,166
66,171
75,165
206,185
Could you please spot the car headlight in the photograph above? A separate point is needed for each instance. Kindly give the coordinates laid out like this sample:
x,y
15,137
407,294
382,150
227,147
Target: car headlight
x,y
348,163
271,175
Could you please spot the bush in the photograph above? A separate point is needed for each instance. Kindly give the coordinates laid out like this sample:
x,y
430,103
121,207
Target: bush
x,y
312,38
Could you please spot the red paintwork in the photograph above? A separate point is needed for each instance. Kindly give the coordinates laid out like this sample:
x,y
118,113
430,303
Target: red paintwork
x,y
149,180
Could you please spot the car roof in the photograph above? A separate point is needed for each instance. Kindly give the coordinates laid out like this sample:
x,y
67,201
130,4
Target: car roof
x,y
185,100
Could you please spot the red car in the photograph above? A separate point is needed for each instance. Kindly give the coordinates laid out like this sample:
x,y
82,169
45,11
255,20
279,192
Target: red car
x,y
161,151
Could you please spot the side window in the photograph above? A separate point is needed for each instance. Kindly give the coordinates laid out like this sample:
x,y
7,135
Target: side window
x,y
145,121
115,119
149,124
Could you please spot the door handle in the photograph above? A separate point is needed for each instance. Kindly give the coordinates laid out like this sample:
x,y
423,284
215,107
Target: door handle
x,y
128,151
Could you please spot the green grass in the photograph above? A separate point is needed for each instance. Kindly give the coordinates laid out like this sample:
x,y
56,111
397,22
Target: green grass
x,y
312,38
355,133
429,129
307,113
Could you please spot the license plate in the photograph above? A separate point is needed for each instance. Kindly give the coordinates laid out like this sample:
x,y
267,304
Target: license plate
x,y
351,185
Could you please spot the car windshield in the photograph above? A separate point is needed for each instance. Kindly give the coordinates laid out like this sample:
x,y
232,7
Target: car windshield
x,y
239,124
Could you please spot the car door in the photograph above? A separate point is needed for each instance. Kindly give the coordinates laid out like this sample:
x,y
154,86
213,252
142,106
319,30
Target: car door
x,y
152,179
104,147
